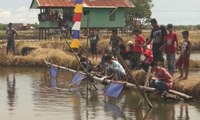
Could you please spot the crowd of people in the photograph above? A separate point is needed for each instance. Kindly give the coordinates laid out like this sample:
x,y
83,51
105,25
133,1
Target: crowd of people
x,y
162,40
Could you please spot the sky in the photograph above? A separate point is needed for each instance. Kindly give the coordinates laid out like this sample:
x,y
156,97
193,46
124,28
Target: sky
x,y
178,12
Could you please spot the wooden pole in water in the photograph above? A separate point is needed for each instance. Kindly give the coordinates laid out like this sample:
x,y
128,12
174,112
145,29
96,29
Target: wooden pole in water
x,y
128,85
146,84
85,71
130,74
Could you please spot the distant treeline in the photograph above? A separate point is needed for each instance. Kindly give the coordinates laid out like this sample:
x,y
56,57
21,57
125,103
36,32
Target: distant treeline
x,y
3,26
178,27
188,27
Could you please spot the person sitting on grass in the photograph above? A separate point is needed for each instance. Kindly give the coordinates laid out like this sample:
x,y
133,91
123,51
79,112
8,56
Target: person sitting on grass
x,y
114,69
184,57
161,80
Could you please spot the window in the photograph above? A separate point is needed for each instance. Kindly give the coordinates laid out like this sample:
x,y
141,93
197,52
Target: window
x,y
112,15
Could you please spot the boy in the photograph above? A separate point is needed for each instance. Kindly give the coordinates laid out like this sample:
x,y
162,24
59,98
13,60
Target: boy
x,y
147,60
115,41
161,79
114,69
137,49
10,32
94,38
183,61
170,49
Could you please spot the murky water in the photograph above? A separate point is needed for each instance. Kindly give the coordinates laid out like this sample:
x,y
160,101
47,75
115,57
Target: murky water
x,y
26,95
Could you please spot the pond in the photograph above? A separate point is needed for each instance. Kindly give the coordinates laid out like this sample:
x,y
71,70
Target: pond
x,y
26,94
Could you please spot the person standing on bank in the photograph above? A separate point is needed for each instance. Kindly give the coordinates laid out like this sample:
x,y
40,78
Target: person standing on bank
x,y
115,41
158,34
138,49
184,59
170,48
11,33
94,38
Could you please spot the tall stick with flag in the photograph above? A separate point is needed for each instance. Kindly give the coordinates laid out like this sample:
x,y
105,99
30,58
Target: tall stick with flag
x,y
77,24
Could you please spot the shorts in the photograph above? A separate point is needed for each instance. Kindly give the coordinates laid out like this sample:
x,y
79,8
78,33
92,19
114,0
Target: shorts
x,y
157,55
94,48
183,61
11,45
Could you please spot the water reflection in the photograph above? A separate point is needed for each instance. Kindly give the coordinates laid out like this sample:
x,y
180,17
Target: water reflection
x,y
37,99
184,113
76,104
53,82
115,110
11,91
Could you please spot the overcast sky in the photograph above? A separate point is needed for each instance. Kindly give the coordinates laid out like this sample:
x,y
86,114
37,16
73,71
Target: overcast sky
x,y
178,12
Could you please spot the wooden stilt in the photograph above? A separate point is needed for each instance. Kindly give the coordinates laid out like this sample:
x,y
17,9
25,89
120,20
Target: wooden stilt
x,y
146,84
45,34
42,34
39,34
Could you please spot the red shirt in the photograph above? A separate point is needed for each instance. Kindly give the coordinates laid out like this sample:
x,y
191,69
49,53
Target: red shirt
x,y
170,40
139,41
162,74
149,57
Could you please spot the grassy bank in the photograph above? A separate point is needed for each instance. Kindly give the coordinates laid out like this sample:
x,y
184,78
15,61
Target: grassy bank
x,y
31,34
54,52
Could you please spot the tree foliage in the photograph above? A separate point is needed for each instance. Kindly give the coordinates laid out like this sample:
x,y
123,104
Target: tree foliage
x,y
2,26
141,11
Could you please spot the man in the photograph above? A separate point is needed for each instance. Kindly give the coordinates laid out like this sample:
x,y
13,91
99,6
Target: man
x,y
10,32
158,34
114,69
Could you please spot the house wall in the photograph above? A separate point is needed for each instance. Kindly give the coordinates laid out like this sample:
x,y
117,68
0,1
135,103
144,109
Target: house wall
x,y
99,18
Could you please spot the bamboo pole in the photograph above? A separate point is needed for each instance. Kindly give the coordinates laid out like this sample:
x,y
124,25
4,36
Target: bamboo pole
x,y
146,84
85,70
130,74
127,84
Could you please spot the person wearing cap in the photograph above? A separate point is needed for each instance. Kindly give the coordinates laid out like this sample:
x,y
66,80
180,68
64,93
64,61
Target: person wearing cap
x,y
11,33
161,79
129,54
138,49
